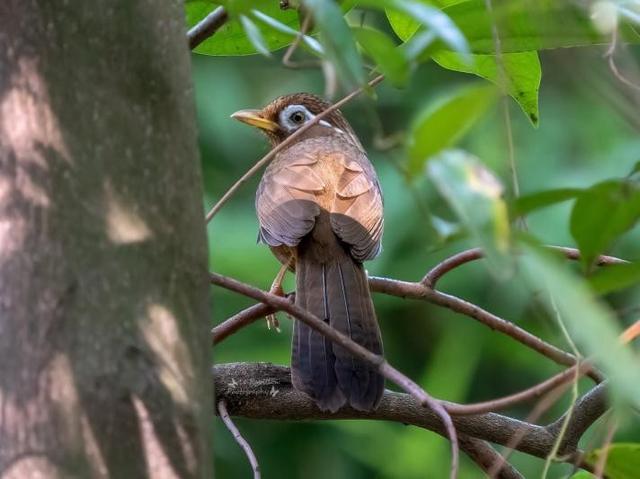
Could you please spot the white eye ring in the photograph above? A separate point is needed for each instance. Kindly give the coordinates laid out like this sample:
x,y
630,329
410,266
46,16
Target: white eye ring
x,y
294,116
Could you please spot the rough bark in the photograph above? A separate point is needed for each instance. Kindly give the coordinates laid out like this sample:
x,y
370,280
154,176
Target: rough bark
x,y
103,287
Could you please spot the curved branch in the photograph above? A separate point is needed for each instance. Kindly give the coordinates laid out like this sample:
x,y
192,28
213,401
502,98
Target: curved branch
x,y
244,318
405,289
586,411
473,254
533,392
264,391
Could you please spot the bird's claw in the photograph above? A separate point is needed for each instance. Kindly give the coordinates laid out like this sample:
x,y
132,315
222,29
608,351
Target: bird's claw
x,y
272,322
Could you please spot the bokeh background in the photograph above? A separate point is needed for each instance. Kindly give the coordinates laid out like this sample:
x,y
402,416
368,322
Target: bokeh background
x,y
588,132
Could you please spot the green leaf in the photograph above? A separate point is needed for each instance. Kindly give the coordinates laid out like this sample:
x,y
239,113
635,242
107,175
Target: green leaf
x,y
310,42
601,214
231,38
522,25
615,277
525,26
591,325
583,475
402,24
444,122
428,16
518,74
635,170
254,36
389,59
405,25
475,195
527,203
623,460
338,42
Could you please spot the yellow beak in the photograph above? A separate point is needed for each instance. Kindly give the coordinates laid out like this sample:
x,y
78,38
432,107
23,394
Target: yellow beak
x,y
255,118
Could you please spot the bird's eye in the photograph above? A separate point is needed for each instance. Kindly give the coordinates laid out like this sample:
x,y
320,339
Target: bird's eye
x,y
297,117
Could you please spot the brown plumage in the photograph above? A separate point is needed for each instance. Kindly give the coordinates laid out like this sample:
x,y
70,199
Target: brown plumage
x,y
320,202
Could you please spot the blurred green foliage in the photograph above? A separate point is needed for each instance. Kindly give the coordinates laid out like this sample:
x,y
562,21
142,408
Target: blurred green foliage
x,y
587,140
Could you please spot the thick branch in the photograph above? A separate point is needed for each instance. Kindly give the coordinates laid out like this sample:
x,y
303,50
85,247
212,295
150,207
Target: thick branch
x,y
264,391
586,411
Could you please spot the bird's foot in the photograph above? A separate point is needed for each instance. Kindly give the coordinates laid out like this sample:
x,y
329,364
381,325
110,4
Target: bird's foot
x,y
272,320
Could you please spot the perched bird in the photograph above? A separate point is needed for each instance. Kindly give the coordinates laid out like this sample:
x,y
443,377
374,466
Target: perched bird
x,y
319,205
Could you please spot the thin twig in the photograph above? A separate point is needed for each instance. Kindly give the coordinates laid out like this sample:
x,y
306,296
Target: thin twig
x,y
207,27
610,56
528,394
290,139
520,434
238,321
631,333
600,466
242,442
590,407
406,289
574,388
485,456
502,83
286,59
473,254
553,454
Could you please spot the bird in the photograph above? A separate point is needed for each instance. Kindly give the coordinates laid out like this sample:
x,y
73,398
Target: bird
x,y
320,210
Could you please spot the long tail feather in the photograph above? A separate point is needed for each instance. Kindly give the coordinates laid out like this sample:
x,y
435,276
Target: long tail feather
x,y
337,291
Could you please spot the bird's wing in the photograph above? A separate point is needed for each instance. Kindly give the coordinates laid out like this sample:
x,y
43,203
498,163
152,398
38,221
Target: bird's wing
x,y
356,216
285,201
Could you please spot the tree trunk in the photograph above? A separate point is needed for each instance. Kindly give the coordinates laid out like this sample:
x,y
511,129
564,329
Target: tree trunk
x,y
103,288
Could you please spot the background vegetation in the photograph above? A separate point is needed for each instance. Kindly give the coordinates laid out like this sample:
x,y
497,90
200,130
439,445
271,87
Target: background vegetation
x,y
584,132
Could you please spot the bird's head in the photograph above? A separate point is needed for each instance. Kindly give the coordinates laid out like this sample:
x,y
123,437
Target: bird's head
x,y
286,114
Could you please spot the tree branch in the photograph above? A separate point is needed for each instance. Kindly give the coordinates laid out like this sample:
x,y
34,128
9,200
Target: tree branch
x,y
586,411
207,27
259,310
485,456
411,290
375,361
425,290
473,254
533,392
264,391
